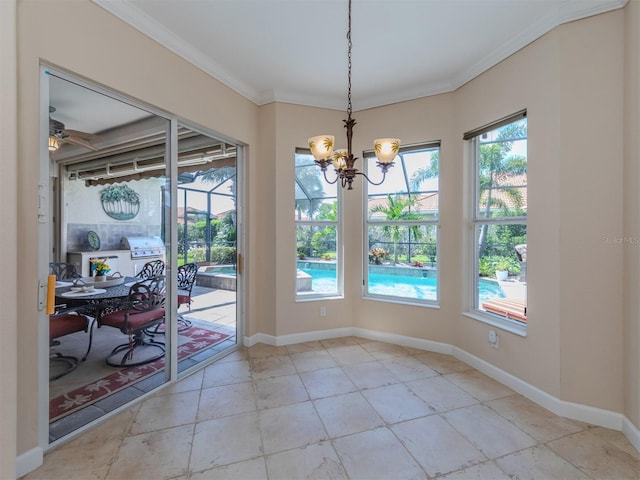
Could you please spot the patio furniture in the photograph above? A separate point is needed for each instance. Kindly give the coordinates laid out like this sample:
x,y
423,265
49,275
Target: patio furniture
x,y
63,324
63,271
152,269
509,308
141,310
185,282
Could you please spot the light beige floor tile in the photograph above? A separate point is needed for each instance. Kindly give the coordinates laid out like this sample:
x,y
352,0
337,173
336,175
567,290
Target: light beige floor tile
x,y
437,446
535,420
192,382
271,366
339,342
408,368
482,471
225,440
279,391
226,373
370,375
346,414
164,411
350,355
617,439
263,350
327,382
225,400
384,351
441,363
479,385
253,469
376,454
539,462
304,347
396,403
87,457
313,360
154,455
289,427
489,432
241,353
318,461
596,456
440,394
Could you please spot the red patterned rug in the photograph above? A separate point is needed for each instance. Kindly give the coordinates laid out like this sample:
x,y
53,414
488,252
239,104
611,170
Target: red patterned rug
x,y
199,339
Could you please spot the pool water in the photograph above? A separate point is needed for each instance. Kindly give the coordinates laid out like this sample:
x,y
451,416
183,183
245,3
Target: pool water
x,y
324,281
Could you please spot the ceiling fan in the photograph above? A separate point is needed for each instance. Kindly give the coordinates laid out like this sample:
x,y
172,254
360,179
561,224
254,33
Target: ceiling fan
x,y
58,132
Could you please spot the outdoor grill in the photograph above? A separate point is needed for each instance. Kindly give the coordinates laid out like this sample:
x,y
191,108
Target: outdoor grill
x,y
143,250
143,247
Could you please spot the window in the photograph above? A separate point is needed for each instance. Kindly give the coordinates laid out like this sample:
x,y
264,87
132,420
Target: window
x,y
499,221
402,222
317,213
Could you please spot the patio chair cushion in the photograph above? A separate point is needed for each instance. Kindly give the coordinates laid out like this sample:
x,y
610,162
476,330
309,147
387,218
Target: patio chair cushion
x,y
136,320
512,309
66,323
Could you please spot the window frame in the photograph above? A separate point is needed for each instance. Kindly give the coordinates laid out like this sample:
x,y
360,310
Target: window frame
x,y
368,159
337,224
476,221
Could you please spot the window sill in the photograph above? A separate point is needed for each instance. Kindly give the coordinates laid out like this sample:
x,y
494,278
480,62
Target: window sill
x,y
317,298
498,322
401,301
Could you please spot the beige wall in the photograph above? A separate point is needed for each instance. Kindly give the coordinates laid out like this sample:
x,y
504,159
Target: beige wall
x,y
8,237
86,40
571,83
631,331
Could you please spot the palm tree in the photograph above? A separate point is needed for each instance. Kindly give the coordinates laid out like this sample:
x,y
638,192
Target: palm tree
x,y
495,168
398,208
430,171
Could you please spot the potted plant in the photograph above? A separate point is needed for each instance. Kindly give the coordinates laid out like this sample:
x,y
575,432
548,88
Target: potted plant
x,y
502,269
100,268
376,255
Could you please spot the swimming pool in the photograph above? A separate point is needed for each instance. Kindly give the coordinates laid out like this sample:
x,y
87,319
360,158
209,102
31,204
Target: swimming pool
x,y
420,288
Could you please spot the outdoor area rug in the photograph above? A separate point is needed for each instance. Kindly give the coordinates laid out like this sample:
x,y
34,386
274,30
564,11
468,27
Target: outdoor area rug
x,y
198,339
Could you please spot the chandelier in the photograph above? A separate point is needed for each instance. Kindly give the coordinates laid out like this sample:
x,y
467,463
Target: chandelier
x,y
322,146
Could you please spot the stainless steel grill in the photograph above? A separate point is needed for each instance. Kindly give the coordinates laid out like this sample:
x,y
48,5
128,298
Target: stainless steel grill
x,y
143,247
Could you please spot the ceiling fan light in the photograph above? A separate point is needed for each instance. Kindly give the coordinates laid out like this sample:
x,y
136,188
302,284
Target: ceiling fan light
x,y
321,146
53,144
386,149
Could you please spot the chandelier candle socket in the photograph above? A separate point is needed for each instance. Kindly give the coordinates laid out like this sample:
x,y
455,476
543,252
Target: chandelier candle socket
x,y
322,146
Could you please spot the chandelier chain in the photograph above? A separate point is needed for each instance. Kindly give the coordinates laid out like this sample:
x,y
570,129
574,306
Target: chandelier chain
x,y
349,108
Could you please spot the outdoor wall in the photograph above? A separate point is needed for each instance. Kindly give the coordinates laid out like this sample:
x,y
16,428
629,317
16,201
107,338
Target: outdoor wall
x,y
631,246
83,212
86,40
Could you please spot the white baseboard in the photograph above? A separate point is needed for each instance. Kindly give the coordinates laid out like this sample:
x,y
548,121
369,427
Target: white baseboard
x,y
631,432
575,411
29,461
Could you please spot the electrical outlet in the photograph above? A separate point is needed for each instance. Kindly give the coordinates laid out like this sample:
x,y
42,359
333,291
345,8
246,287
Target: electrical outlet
x,y
493,338
323,311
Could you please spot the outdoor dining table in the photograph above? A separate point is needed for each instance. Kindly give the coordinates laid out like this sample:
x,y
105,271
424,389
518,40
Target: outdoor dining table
x,y
96,302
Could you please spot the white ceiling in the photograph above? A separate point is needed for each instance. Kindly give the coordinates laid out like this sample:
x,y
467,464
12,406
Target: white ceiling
x,y
296,50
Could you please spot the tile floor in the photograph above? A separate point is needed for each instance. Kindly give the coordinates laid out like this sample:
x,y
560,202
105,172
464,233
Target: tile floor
x,y
343,408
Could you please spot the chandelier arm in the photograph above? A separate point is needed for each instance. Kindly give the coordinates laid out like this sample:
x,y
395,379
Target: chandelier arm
x,y
384,174
326,179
